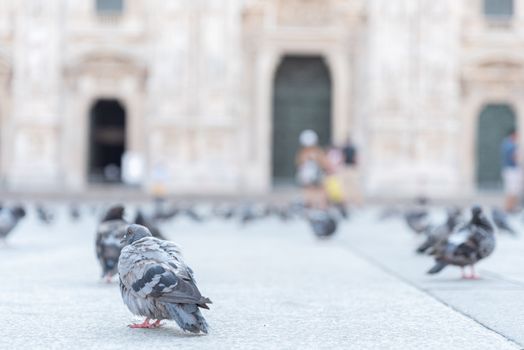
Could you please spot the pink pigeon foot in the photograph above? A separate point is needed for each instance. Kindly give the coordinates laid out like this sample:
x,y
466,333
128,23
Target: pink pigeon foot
x,y
144,324
156,324
473,275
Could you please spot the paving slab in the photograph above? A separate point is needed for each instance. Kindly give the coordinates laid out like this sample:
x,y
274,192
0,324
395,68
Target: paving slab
x,y
495,301
272,284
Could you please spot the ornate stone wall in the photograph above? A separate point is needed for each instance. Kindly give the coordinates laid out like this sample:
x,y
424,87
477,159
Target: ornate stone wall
x,y
409,79
413,96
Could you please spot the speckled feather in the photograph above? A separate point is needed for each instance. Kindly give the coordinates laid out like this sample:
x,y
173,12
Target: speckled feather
x,y
467,245
108,245
156,283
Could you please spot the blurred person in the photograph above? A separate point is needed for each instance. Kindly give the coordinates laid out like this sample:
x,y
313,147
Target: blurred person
x,y
159,178
334,182
511,172
311,168
349,173
335,157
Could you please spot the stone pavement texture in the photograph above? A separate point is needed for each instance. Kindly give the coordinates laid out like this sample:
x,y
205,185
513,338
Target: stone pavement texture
x,y
273,286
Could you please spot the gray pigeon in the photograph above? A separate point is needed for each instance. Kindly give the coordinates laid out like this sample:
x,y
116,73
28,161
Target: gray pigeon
x,y
157,284
467,245
437,235
108,240
500,219
322,222
9,218
44,214
224,211
417,220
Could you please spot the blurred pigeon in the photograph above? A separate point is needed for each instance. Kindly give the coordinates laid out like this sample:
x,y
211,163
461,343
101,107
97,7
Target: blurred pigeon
x,y
247,214
44,214
389,212
74,212
167,214
417,219
467,245
284,213
108,240
9,218
193,215
224,211
140,219
500,219
322,222
439,234
157,284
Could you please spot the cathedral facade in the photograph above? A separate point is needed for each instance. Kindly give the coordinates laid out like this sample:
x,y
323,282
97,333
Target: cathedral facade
x,y
212,94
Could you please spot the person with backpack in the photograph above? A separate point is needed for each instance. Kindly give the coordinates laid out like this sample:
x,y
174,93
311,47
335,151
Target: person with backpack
x,y
311,169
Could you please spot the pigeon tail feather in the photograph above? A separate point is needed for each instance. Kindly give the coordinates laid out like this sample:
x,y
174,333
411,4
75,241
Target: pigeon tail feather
x,y
188,317
440,265
424,246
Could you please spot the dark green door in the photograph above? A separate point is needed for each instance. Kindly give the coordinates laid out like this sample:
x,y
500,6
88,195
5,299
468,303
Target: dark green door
x,y
301,100
494,123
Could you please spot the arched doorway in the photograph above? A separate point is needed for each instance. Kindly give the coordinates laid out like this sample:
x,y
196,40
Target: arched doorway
x,y
494,123
301,100
107,140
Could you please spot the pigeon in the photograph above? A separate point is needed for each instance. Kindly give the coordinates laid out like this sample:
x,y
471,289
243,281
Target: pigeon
x,y
9,218
247,214
167,214
439,234
283,213
389,212
44,214
501,221
322,222
108,240
193,214
74,212
467,245
157,284
140,219
417,220
224,211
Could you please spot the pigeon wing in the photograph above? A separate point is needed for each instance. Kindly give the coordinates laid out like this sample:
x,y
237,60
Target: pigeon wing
x,y
160,281
151,272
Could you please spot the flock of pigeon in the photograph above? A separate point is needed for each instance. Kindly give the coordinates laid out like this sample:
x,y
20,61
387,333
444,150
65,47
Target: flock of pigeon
x,y
157,284
457,241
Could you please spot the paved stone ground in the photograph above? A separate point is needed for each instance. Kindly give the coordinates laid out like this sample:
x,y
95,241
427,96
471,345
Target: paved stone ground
x,y
273,285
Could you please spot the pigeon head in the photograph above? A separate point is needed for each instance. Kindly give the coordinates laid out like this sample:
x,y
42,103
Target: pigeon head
x,y
135,232
478,218
476,210
116,212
